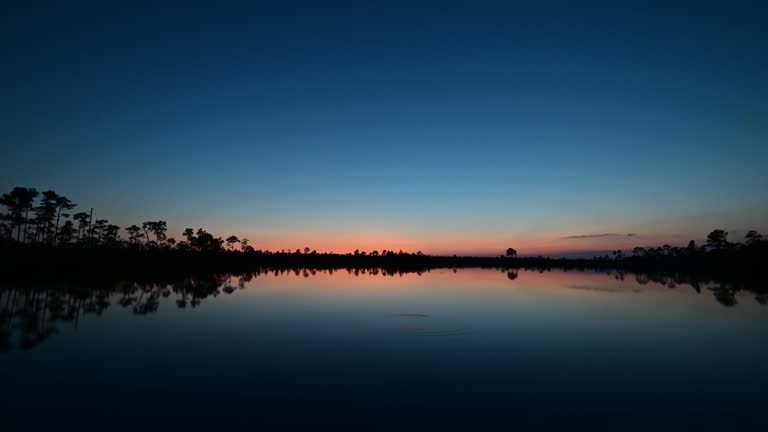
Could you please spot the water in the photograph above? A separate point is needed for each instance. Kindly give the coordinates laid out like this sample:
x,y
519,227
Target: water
x,y
448,349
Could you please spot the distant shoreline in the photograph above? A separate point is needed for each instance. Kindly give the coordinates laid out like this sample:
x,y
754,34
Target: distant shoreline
x,y
41,238
25,262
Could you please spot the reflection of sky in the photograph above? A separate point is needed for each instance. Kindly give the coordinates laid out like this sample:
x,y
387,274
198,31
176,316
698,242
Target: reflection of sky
x,y
476,303
435,129
471,337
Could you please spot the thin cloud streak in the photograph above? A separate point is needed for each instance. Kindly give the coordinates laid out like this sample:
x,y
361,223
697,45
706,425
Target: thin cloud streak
x,y
591,236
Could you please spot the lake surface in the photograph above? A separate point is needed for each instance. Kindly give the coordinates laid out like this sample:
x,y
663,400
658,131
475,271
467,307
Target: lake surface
x,y
444,349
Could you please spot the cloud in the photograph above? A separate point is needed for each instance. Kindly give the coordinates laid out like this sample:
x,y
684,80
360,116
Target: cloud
x,y
589,236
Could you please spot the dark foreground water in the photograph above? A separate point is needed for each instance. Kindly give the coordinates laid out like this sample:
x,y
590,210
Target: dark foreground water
x,y
445,349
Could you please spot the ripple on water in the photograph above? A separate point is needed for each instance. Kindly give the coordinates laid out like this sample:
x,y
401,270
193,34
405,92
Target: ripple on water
x,y
430,328
409,315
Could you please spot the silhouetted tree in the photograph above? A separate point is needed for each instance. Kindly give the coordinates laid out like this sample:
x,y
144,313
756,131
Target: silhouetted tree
x,y
97,230
145,226
691,249
717,239
27,200
111,235
206,242
67,233
753,237
134,234
511,253
157,228
19,202
45,213
62,203
189,234
82,219
231,240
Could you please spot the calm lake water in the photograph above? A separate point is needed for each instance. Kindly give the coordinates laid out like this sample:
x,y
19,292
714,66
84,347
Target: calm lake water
x,y
442,349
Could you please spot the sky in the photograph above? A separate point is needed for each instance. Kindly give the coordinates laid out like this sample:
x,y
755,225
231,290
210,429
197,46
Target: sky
x,y
446,127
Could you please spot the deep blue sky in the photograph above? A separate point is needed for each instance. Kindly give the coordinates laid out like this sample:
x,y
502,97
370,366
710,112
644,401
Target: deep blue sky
x,y
443,127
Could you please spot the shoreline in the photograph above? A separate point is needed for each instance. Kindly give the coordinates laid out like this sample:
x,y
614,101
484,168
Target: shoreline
x,y
41,263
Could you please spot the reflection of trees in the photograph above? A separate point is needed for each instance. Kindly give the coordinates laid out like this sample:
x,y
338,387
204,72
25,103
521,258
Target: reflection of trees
x,y
27,317
762,299
32,313
724,291
725,295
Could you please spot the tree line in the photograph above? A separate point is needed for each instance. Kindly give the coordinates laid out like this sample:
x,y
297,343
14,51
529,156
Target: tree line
x,y
716,244
47,220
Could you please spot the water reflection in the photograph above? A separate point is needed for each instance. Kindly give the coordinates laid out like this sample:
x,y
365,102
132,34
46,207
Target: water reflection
x,y
31,313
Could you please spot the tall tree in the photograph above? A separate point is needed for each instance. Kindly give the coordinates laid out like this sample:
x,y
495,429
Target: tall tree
x,y
189,233
98,230
82,223
45,213
206,242
134,234
62,203
146,227
717,239
111,235
158,228
19,202
231,240
67,233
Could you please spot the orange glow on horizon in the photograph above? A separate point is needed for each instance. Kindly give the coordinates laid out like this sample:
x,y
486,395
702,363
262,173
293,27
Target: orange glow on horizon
x,y
449,244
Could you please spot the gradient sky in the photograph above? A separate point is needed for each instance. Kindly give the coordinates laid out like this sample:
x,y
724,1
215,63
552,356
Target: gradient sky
x,y
442,127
